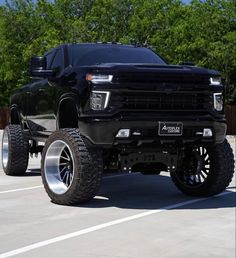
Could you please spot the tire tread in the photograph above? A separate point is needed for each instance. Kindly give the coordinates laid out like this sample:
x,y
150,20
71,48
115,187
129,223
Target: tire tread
x,y
90,169
221,173
18,151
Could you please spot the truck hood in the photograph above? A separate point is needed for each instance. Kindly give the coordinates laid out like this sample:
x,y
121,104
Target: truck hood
x,y
155,74
152,68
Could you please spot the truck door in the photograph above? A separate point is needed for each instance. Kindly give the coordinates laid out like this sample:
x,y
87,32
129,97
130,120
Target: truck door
x,y
40,115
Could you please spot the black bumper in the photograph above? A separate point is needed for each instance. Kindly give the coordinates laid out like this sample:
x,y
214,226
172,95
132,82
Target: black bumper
x,y
103,132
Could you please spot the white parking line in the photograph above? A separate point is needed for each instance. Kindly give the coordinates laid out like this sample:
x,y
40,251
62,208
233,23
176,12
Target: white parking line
x,y
21,189
40,186
101,226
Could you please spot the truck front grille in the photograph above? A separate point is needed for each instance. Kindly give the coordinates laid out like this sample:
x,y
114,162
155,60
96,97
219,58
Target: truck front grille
x,y
179,78
160,101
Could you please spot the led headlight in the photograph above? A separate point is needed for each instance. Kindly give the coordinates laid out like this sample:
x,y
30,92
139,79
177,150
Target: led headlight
x,y
99,78
99,99
218,101
215,80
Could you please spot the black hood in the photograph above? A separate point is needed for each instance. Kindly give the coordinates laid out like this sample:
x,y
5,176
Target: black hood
x,y
130,73
152,68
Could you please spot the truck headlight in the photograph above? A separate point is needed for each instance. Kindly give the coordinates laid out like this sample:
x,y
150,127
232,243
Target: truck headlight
x,y
99,100
215,80
218,101
99,78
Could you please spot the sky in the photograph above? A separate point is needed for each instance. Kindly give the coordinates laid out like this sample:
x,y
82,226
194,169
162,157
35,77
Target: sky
x,y
3,1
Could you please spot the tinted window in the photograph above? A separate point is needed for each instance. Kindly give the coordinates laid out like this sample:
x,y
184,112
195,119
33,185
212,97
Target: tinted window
x,y
93,54
58,60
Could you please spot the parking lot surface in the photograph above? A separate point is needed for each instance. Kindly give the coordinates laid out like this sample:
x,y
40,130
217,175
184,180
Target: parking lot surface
x,y
132,216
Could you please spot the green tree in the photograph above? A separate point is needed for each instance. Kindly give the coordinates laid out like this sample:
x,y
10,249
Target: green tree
x,y
203,32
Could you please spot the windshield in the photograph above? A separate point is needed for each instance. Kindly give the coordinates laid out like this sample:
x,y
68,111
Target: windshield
x,y
98,54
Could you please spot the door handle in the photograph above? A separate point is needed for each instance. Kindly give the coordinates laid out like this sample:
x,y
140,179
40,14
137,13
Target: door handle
x,y
41,90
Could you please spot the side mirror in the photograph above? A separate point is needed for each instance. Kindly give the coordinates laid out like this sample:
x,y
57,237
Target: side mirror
x,y
38,67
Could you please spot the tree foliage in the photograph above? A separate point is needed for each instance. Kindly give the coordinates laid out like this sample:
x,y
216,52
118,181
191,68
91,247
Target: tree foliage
x,y
203,32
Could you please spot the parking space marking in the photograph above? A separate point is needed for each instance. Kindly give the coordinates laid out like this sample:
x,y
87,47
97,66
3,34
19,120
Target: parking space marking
x,y
102,226
40,186
21,189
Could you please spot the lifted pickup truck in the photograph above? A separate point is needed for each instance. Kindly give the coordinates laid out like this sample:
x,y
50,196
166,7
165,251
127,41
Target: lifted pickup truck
x,y
118,107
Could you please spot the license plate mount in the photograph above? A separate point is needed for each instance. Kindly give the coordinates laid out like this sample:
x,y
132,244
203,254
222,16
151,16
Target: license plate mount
x,y
170,128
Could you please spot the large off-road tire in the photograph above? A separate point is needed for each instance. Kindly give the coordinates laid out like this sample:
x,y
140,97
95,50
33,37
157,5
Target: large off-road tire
x,y
71,171
205,171
15,151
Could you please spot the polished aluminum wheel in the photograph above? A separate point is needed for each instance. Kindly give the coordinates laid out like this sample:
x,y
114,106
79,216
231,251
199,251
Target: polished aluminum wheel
x,y
5,149
59,167
197,168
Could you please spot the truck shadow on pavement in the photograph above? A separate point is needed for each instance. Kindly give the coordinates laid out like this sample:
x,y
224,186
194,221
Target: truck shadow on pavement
x,y
151,192
137,191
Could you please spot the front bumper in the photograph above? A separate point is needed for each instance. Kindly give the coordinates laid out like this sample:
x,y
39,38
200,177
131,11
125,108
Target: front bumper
x,y
103,132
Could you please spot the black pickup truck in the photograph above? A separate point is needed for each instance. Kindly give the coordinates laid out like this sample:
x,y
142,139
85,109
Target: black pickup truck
x,y
106,106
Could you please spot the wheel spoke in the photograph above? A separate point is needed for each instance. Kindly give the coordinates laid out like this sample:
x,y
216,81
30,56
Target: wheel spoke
x,y
62,170
205,173
202,173
66,179
197,167
207,169
191,179
201,151
71,177
59,166
64,176
199,178
65,158
67,155
196,179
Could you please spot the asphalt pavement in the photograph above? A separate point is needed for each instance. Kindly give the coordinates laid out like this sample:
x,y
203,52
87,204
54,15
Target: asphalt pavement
x,y
132,216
